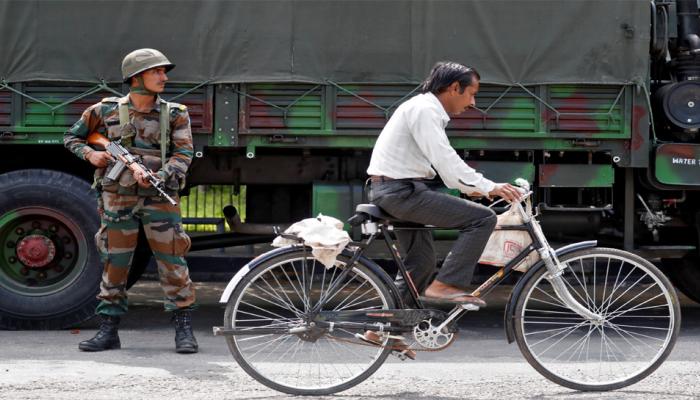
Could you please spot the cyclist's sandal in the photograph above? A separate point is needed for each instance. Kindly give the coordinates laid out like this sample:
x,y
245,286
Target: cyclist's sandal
x,y
459,298
397,343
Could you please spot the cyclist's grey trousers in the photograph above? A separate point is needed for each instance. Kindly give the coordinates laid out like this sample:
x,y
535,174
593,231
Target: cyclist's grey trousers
x,y
415,201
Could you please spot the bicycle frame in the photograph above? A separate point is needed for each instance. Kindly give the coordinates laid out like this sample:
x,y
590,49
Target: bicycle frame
x,y
539,244
394,318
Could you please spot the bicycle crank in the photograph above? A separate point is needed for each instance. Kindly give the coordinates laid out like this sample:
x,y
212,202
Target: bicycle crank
x,y
430,336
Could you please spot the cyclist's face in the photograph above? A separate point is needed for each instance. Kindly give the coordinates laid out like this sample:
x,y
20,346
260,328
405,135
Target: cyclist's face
x,y
458,102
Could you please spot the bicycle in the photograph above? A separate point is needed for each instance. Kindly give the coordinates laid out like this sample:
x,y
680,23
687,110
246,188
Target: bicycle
x,y
585,317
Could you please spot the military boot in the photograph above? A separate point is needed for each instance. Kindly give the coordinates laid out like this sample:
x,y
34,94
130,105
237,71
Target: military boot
x,y
184,337
106,338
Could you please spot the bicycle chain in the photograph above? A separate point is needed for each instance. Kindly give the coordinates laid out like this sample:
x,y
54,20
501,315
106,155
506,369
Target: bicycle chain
x,y
394,348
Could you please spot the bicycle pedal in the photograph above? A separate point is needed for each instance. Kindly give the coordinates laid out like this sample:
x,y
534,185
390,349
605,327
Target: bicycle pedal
x,y
362,337
401,356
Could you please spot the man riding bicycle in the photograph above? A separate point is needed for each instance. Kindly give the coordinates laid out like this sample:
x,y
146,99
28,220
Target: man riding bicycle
x,y
411,149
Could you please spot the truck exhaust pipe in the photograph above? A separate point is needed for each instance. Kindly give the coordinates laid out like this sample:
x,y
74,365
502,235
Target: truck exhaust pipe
x,y
233,220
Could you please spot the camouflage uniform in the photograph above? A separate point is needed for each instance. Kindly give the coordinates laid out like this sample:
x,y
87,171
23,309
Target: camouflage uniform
x,y
123,204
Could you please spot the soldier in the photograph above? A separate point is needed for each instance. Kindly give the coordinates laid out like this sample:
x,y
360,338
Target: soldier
x,y
160,133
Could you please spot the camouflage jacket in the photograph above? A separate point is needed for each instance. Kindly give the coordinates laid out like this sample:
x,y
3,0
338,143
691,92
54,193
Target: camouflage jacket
x,y
103,117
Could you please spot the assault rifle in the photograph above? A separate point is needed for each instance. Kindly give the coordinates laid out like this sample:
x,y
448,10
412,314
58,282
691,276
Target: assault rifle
x,y
128,160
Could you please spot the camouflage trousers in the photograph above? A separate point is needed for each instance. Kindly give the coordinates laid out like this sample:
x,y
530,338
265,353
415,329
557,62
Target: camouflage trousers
x,y
116,241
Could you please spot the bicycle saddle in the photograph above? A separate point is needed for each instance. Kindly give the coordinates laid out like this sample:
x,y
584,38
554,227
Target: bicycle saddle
x,y
373,211
364,212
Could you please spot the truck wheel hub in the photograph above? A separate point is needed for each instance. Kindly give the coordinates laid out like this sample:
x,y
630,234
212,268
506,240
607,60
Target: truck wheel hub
x,y
36,251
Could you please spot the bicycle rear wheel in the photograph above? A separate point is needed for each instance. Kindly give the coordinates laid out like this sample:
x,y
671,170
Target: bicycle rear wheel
x,y
640,327
280,294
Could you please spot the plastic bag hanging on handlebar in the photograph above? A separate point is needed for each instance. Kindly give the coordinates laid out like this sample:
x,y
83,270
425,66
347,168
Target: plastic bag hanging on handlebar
x,y
505,245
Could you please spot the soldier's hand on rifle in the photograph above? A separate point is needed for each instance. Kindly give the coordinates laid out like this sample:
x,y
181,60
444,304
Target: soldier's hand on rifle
x,y
141,179
100,159
507,191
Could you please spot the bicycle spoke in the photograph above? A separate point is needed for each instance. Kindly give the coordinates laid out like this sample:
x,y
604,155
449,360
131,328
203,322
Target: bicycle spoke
x,y
359,300
638,307
264,344
558,303
331,282
605,284
342,302
546,331
631,345
265,311
625,292
291,283
550,311
617,284
335,347
577,343
568,331
279,343
615,312
302,284
331,296
332,289
640,327
584,285
610,300
664,306
595,267
279,285
280,305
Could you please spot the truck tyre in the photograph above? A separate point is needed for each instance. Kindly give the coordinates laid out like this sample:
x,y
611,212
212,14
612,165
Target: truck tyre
x,y
685,275
50,269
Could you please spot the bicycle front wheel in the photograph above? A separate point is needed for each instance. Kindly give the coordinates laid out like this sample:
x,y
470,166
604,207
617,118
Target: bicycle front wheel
x,y
641,321
292,354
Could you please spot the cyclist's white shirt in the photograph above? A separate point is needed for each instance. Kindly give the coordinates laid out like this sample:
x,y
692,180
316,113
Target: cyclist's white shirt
x,y
414,142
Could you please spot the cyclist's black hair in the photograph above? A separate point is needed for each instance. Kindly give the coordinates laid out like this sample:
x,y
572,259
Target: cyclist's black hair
x,y
444,73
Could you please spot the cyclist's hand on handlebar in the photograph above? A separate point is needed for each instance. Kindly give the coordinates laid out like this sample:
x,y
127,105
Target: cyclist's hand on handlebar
x,y
509,192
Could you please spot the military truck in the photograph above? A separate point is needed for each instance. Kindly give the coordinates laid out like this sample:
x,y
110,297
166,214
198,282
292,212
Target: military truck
x,y
597,103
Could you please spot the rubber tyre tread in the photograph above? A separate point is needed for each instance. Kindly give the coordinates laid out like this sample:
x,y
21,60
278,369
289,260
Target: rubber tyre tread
x,y
519,337
74,198
284,389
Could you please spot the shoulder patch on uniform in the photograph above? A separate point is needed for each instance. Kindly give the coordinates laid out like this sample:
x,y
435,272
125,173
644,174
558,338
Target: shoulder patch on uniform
x,y
177,108
110,100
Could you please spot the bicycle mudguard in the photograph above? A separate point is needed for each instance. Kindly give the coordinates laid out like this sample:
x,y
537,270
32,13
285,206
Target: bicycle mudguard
x,y
509,315
261,259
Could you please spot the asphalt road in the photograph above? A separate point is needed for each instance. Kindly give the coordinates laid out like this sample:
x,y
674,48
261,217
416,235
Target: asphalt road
x,y
479,365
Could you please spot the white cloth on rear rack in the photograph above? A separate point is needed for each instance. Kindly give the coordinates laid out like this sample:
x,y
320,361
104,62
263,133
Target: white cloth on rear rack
x,y
325,236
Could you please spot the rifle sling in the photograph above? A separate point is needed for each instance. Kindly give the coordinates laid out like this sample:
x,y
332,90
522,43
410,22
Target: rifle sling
x,y
164,127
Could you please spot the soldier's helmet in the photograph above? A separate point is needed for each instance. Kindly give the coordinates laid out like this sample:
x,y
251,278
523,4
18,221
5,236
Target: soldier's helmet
x,y
142,59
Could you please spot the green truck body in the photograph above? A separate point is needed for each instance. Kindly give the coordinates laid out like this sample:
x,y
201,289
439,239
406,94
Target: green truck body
x,y
591,101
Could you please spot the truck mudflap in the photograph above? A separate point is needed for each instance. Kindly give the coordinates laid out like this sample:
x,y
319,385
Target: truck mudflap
x,y
509,315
